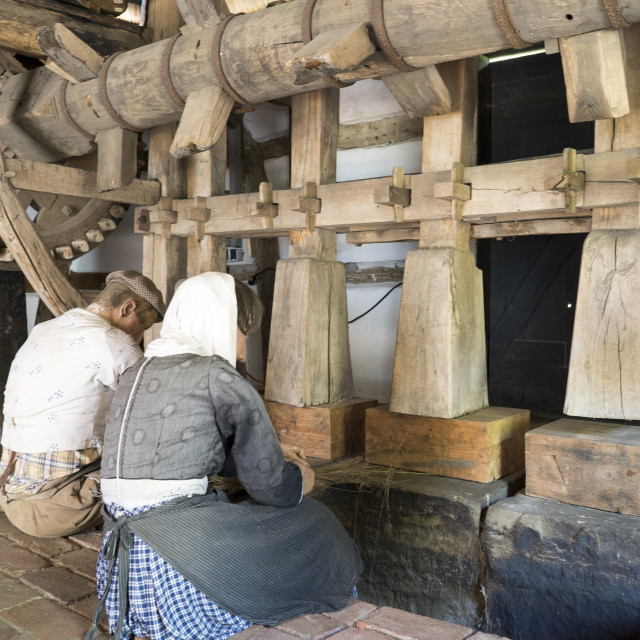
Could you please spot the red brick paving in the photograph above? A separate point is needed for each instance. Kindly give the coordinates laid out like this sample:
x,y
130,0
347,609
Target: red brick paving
x,y
47,592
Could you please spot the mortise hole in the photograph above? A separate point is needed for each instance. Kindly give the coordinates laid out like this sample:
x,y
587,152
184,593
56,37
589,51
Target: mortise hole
x,y
569,16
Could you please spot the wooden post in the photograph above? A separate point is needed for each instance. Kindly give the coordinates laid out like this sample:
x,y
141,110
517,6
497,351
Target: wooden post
x,y
440,360
164,257
603,374
309,361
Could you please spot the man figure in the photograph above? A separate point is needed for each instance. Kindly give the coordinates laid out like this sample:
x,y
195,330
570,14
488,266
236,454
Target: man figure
x,y
59,391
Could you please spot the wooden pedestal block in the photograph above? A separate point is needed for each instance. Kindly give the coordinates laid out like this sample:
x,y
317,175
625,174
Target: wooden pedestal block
x,y
327,431
591,464
480,446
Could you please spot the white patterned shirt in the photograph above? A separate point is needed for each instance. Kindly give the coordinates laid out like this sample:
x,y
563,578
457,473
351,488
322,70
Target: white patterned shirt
x,y
62,381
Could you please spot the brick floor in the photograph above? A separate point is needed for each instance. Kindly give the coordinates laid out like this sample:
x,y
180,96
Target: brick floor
x,y
47,592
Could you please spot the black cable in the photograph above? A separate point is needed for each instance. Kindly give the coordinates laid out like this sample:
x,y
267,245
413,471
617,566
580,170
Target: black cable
x,y
254,277
362,315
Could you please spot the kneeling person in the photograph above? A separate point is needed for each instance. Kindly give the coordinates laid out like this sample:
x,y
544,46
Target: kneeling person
x,y
59,390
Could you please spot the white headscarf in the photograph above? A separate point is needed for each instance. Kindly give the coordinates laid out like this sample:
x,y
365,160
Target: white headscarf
x,y
201,319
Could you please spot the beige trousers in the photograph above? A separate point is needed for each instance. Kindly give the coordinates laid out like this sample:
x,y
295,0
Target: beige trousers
x,y
62,507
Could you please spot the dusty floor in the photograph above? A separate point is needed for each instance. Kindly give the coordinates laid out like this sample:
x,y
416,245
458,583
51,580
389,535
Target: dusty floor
x,y
47,592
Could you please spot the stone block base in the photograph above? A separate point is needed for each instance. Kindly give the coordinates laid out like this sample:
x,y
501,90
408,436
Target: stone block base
x,y
420,540
561,572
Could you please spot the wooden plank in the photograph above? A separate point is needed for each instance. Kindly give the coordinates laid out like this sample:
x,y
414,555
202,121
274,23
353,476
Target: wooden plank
x,y
378,132
481,446
21,19
309,361
203,121
117,159
603,372
326,431
54,178
595,74
531,228
420,93
585,463
69,56
383,235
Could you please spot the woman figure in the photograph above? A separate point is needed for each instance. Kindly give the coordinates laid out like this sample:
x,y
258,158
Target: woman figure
x,y
178,562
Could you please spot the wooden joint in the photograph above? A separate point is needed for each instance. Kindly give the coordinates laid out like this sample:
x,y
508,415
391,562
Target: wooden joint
x,y
309,204
395,195
264,207
456,191
573,179
194,209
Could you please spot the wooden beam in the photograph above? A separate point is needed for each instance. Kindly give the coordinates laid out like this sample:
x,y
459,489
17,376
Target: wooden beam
x,y
32,255
595,74
198,13
69,56
531,228
54,178
420,93
21,19
117,159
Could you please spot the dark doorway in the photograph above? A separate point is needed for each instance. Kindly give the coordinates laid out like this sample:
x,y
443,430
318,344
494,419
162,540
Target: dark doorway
x,y
530,282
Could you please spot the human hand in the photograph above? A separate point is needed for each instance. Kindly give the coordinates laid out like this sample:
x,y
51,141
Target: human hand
x,y
295,454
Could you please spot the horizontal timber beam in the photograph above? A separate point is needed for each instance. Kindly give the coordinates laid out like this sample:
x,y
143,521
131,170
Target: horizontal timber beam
x,y
514,191
148,86
54,178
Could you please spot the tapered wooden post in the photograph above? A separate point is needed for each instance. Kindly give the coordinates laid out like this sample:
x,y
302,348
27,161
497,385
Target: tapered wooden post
x,y
603,369
440,360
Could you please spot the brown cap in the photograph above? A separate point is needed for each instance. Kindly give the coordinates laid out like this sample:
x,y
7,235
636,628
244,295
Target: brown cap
x,y
141,285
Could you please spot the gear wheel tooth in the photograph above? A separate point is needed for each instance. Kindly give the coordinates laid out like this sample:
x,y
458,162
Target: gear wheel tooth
x,y
80,246
94,235
65,252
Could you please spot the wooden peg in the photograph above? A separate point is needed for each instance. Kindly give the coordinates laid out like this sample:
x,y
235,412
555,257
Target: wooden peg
x,y
457,191
394,195
309,204
573,178
265,207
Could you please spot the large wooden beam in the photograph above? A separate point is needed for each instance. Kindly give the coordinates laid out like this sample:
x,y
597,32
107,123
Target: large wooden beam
x,y
21,19
145,87
54,178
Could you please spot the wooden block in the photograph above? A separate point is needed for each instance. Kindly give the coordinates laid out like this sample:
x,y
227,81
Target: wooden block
x,y
327,431
420,93
117,165
586,463
332,51
203,120
68,55
440,234
595,73
480,446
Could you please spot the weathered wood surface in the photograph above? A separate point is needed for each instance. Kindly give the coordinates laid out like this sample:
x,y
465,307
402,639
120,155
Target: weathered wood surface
x,y
327,431
309,361
420,34
164,259
32,255
586,463
21,19
54,178
595,74
603,369
440,359
480,446
420,93
117,159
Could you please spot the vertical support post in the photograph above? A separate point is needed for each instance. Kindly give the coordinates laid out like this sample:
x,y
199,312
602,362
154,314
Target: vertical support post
x,y
603,374
440,360
309,361
205,177
164,258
